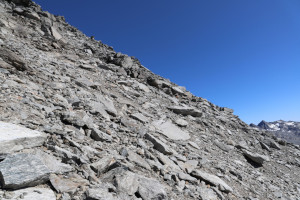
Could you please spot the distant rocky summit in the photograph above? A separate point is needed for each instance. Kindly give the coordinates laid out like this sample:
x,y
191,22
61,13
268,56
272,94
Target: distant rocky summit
x,y
287,130
79,121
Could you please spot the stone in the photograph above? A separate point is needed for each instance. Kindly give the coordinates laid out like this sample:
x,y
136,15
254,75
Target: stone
x,y
100,136
108,104
103,164
33,193
55,33
78,118
171,130
193,144
186,177
133,157
150,189
207,194
181,122
212,179
139,117
255,157
15,138
184,110
158,144
127,182
22,170
52,163
69,185
99,193
169,165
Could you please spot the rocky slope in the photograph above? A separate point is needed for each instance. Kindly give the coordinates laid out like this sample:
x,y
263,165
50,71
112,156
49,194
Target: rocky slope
x,y
80,121
287,130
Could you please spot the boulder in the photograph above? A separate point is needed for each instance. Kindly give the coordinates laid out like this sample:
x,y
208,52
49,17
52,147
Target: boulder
x,y
15,138
22,170
212,179
171,130
255,157
158,144
184,110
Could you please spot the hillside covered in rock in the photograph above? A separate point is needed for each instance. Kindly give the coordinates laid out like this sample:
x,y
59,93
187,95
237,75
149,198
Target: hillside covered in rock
x,y
80,121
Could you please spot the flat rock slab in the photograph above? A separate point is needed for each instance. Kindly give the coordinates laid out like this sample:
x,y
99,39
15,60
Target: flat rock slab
x,y
255,157
22,170
183,110
212,179
15,138
33,193
68,185
171,130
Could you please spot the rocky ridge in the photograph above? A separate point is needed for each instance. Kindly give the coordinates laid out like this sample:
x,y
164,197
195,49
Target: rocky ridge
x,y
287,130
81,121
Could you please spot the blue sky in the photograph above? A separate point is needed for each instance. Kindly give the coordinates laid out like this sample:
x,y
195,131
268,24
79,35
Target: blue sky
x,y
243,55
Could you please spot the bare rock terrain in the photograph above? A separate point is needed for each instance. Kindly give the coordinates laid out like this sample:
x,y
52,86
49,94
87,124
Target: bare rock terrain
x,y
79,121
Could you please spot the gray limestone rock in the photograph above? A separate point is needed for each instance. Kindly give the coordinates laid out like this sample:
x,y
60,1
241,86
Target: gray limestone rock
x,y
100,135
139,117
158,144
133,157
150,189
171,130
99,193
183,110
22,170
14,138
181,122
212,179
255,157
33,193
69,185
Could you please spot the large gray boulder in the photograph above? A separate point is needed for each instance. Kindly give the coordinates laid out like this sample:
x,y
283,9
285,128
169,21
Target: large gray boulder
x,y
22,170
15,138
184,110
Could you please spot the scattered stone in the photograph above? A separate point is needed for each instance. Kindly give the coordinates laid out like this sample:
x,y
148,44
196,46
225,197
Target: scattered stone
x,y
15,138
181,122
186,111
171,130
212,179
158,144
139,117
33,193
133,157
22,170
255,157
68,185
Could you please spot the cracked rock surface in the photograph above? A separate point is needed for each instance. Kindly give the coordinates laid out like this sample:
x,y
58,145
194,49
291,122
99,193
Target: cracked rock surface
x,y
79,121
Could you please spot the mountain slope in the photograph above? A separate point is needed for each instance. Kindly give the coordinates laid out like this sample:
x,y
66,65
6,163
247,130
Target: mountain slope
x,y
108,128
287,130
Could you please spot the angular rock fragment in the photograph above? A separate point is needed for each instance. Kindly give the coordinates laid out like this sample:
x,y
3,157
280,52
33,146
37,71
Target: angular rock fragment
x,y
183,110
14,138
150,189
103,164
22,170
212,179
158,144
171,130
181,122
133,157
68,185
52,163
13,59
99,193
100,136
33,193
255,157
139,117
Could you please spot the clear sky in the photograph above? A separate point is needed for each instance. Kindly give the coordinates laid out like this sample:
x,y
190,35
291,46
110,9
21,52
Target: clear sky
x,y
241,54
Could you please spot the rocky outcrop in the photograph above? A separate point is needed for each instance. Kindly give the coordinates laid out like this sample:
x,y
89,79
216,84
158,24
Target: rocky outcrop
x,y
81,121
